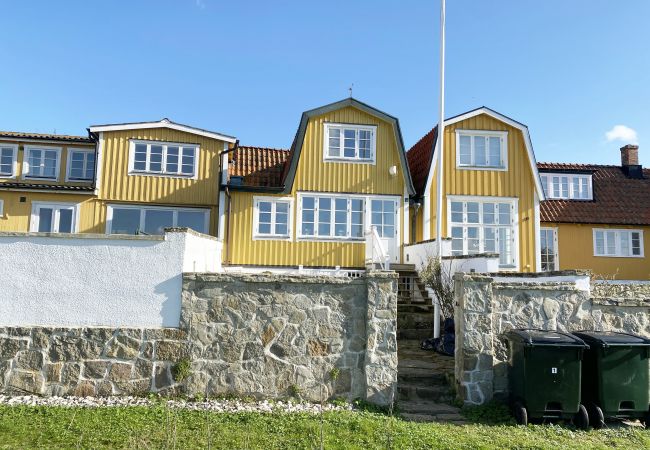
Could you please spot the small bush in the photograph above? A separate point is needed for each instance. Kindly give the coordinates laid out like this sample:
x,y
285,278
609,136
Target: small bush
x,y
492,413
181,370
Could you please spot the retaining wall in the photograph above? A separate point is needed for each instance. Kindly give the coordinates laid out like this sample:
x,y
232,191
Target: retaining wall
x,y
488,306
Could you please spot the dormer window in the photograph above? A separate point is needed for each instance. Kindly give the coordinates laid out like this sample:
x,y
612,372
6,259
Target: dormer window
x,y
481,150
350,143
163,158
567,186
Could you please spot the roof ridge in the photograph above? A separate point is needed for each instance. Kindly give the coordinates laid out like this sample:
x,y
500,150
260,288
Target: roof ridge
x,y
33,133
262,148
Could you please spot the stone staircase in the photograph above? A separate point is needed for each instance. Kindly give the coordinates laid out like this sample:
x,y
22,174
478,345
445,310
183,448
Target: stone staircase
x,y
425,390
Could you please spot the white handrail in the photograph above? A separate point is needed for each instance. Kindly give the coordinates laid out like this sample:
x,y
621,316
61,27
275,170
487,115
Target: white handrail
x,y
378,254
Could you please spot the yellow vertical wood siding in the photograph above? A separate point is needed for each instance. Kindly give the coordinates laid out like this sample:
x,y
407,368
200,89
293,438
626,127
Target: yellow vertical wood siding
x,y
313,174
576,251
117,185
518,181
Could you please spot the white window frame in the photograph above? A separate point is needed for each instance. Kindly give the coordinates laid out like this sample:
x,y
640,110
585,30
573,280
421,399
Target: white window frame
x,y
503,135
514,202
556,251
14,160
617,238
2,208
142,208
163,172
27,150
547,180
274,201
68,167
35,218
346,159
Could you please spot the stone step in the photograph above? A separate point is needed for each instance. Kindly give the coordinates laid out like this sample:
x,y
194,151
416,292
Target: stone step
x,y
415,308
413,362
455,419
422,377
403,267
439,393
426,407
414,333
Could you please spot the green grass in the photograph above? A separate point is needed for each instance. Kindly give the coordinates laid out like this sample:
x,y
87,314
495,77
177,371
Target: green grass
x,y
160,427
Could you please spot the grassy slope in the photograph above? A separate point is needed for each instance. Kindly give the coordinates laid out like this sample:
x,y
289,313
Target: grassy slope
x,y
159,427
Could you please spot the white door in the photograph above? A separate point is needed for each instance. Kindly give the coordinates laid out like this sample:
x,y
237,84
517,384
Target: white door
x,y
53,218
548,245
383,216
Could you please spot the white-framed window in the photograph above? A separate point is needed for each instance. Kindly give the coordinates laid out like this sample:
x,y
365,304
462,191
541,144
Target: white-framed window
x,y
41,163
483,150
350,143
325,216
272,218
54,217
484,225
567,186
163,158
80,164
8,154
128,219
548,246
620,243
2,207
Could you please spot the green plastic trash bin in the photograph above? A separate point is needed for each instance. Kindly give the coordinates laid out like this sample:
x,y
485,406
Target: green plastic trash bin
x,y
544,375
615,381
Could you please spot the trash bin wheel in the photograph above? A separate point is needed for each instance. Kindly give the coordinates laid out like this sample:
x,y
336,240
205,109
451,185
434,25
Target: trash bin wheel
x,y
521,415
581,419
596,416
646,419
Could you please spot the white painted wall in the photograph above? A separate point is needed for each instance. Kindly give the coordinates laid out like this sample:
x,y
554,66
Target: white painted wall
x,y
419,254
92,279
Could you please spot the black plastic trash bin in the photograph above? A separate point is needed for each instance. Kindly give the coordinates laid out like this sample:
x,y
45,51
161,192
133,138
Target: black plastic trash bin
x,y
544,374
615,380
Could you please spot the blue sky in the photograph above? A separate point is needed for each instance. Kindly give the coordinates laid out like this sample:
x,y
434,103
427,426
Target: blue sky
x,y
570,70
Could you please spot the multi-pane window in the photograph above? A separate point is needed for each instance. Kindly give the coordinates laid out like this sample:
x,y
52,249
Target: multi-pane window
x,y
164,158
349,142
272,218
567,186
483,226
382,214
154,220
81,165
42,163
481,149
621,243
336,217
53,217
548,245
7,160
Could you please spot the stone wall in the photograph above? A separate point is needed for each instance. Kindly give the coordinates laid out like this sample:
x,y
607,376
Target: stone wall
x,y
278,335
89,361
486,308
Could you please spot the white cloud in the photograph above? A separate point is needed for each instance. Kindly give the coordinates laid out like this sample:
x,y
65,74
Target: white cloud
x,y
200,4
622,133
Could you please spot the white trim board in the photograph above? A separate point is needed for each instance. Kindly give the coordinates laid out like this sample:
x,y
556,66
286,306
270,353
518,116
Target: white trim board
x,y
165,123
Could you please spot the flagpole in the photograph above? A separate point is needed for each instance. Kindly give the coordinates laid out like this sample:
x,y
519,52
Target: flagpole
x,y
441,132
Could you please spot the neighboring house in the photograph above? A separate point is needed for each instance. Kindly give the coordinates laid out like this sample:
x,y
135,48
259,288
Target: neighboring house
x,y
311,205
491,189
123,179
597,217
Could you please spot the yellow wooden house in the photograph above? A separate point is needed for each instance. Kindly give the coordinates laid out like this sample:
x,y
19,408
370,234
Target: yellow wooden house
x,y
121,179
491,189
342,187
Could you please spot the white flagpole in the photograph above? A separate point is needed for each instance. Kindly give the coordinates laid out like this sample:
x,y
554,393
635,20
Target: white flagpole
x,y
441,132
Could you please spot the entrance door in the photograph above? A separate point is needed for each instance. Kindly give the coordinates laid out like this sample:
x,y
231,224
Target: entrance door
x,y
383,216
548,245
53,218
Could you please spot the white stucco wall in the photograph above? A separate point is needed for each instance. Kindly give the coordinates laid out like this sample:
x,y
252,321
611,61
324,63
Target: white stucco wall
x,y
90,279
419,254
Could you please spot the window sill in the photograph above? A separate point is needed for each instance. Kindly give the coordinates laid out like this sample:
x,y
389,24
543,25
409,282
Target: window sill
x,y
483,168
349,160
26,177
271,238
620,256
163,175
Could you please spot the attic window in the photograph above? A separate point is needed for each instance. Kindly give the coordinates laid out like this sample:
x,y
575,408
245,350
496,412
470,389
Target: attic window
x,y
567,186
481,150
349,143
163,158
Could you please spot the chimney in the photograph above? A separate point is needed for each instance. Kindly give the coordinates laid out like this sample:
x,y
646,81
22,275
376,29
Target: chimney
x,y
630,161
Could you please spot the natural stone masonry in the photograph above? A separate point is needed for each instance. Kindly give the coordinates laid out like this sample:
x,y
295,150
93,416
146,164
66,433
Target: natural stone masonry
x,y
247,335
89,361
274,335
486,309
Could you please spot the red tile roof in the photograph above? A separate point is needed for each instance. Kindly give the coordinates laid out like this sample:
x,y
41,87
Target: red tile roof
x,y
48,137
419,159
618,199
259,166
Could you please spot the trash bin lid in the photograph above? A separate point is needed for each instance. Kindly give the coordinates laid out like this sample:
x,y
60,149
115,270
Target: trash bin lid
x,y
532,338
611,338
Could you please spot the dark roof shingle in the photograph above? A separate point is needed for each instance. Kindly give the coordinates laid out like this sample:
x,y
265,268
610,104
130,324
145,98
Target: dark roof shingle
x,y
49,187
618,199
419,158
47,137
259,166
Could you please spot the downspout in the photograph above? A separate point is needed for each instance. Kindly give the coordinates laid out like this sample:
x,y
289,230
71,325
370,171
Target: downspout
x,y
223,225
